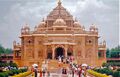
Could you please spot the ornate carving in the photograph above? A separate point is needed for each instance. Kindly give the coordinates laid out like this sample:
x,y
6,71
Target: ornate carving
x,y
29,53
40,54
79,53
88,53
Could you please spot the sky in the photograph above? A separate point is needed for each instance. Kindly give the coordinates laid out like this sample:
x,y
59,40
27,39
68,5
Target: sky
x,y
14,14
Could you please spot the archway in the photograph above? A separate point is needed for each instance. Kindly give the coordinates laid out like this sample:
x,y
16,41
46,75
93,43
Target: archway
x,y
59,52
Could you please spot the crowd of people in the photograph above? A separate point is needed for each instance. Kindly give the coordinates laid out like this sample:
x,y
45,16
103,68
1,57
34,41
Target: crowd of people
x,y
74,70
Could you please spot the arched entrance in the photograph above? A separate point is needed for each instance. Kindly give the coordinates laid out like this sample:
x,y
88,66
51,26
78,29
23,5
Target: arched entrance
x,y
59,52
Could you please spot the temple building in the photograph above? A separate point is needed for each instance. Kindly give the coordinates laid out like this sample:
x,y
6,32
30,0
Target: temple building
x,y
59,35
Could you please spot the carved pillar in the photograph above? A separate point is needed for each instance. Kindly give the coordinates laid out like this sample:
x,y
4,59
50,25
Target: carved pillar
x,y
53,52
65,52
46,51
83,51
35,48
74,51
66,48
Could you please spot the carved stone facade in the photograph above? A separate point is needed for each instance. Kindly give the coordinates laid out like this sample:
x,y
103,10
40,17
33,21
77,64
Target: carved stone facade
x,y
59,35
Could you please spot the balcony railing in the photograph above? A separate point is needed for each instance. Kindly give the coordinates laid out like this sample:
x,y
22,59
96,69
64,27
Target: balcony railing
x,y
60,32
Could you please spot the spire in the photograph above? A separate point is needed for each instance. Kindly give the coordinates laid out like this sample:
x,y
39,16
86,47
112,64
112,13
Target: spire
x,y
59,8
59,2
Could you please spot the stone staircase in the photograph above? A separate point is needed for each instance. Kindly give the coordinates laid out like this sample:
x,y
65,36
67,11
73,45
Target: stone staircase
x,y
54,65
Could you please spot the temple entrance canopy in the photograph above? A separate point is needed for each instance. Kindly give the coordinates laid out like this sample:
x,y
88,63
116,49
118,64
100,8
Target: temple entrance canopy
x,y
59,52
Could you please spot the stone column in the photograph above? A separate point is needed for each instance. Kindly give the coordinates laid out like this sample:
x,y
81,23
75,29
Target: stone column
x,y
83,53
65,52
35,48
53,52
74,52
66,48
46,51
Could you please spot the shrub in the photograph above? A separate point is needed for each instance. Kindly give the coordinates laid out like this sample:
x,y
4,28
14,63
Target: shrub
x,y
116,74
1,74
4,74
105,65
118,69
12,72
107,71
23,70
8,64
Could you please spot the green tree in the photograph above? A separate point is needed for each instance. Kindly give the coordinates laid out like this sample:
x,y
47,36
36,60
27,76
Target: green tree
x,y
2,49
5,50
107,53
8,51
114,52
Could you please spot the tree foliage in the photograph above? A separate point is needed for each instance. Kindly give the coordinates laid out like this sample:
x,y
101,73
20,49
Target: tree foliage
x,y
2,49
113,53
5,50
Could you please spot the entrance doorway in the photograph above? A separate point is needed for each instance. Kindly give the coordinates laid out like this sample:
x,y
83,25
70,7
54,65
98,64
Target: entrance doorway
x,y
59,52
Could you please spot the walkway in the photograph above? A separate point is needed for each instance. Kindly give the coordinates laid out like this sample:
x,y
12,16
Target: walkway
x,y
58,74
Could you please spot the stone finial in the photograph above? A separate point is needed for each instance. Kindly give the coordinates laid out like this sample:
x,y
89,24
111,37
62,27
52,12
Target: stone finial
x,y
25,29
18,43
14,42
93,28
59,2
43,20
22,29
76,19
83,27
35,28
104,42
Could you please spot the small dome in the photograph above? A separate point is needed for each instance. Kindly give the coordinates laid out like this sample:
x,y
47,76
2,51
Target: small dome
x,y
93,28
77,24
59,22
26,26
42,24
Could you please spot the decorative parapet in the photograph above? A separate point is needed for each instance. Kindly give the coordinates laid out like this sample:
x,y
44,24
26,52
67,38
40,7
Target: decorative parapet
x,y
44,31
102,46
16,50
16,45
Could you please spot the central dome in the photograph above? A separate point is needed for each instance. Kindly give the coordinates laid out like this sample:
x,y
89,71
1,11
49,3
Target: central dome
x,y
59,22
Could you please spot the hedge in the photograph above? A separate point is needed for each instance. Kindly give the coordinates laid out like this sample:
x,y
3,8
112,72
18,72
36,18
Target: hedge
x,y
116,74
104,70
108,71
96,74
8,64
12,72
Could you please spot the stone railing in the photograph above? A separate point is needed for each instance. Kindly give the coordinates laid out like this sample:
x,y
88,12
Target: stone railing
x,y
60,32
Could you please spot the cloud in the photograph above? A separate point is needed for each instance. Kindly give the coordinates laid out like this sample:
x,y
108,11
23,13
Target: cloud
x,y
103,13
